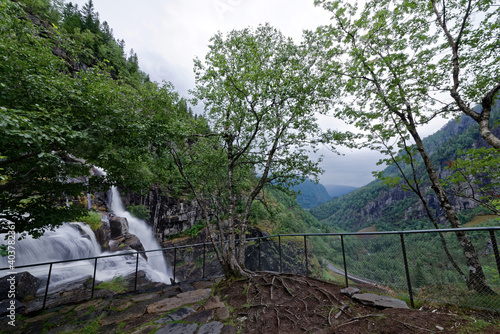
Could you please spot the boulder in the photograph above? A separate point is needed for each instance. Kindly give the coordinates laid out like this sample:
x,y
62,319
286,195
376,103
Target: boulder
x,y
16,305
103,235
127,241
118,226
25,285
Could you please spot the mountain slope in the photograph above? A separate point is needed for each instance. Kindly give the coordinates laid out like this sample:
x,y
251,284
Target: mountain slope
x,y
311,194
392,208
336,190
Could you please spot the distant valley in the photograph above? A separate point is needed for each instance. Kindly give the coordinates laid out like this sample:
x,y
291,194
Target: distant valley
x,y
387,208
314,194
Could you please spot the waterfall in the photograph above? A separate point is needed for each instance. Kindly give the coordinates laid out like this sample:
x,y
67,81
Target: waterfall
x,y
145,233
76,240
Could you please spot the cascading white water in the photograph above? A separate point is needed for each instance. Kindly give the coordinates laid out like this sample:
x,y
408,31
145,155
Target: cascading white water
x,y
77,240
144,232
69,241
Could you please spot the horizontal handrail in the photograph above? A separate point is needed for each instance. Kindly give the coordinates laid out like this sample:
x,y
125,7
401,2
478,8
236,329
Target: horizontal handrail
x,y
466,229
401,234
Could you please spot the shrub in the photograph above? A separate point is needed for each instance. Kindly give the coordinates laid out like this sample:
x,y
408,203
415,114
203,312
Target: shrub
x,y
139,211
93,219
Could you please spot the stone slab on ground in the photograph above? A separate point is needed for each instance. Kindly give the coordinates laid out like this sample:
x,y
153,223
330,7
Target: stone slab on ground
x,y
201,317
228,329
177,328
145,329
223,313
184,298
379,301
185,287
146,296
131,313
350,291
180,314
214,327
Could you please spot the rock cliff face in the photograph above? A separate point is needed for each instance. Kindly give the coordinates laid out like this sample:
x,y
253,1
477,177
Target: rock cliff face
x,y
169,215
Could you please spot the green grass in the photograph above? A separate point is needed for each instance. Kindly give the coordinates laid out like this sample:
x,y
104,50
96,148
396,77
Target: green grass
x,y
117,284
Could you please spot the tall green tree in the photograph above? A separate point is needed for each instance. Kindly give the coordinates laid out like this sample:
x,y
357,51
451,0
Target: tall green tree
x,y
382,63
466,51
260,101
55,123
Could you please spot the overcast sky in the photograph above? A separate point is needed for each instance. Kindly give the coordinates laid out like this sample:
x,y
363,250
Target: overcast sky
x,y
168,34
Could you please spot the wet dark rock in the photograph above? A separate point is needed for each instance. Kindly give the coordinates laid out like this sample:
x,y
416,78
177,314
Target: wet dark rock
x,y
24,284
118,226
103,235
8,304
125,242
201,317
350,291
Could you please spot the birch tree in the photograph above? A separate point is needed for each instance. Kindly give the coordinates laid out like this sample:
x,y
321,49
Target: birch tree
x,y
386,79
261,101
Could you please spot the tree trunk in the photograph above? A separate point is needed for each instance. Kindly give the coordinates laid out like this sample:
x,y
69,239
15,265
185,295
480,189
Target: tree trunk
x,y
477,280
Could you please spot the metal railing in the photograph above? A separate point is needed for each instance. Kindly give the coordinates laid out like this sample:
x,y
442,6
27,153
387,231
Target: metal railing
x,y
404,263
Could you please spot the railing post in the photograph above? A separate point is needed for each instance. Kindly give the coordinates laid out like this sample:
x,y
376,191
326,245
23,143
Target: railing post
x,y
136,270
305,253
93,278
47,287
279,248
345,263
260,253
175,261
408,281
495,249
204,251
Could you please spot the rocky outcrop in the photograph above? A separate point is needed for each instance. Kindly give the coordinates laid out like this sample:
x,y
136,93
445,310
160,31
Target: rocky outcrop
x,y
20,285
14,289
103,235
118,226
125,242
169,215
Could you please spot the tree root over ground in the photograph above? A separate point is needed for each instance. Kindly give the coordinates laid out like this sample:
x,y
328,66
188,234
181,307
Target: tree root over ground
x,y
288,304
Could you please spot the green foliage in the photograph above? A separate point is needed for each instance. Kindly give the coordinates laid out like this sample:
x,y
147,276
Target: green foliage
x,y
195,229
476,175
260,103
139,211
56,122
443,146
93,219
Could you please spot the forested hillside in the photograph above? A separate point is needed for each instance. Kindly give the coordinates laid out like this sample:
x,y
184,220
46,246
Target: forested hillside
x,y
392,208
71,97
